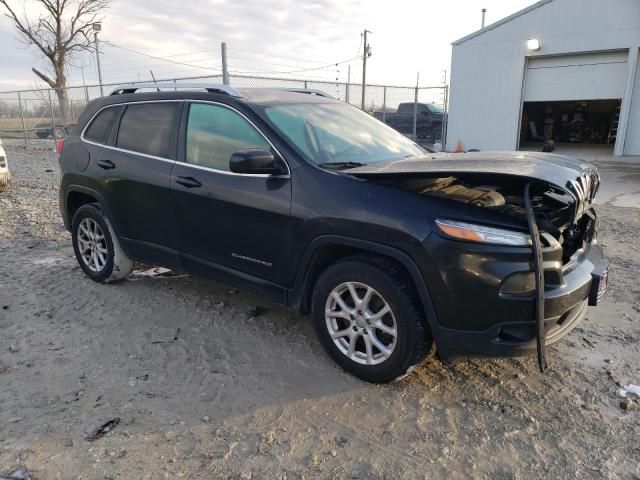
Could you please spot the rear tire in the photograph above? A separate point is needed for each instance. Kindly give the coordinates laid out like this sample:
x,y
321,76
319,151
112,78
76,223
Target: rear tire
x,y
96,246
387,345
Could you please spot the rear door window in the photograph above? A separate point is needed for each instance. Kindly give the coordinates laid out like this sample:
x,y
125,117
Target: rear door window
x,y
100,128
214,133
149,128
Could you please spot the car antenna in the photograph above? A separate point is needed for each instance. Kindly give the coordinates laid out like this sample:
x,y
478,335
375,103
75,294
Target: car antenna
x,y
154,78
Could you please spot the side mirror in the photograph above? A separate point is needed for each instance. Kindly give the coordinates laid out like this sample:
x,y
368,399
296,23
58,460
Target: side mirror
x,y
255,161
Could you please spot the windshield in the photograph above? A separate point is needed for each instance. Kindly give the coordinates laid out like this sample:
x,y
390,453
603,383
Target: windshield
x,y
433,108
337,133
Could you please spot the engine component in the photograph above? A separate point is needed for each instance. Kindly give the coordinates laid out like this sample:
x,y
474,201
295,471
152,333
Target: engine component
x,y
476,196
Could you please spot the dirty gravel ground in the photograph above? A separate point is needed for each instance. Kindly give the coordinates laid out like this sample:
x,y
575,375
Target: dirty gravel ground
x,y
206,390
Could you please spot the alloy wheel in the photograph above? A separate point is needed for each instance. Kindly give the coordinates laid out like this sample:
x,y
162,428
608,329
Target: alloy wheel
x,y
361,323
92,245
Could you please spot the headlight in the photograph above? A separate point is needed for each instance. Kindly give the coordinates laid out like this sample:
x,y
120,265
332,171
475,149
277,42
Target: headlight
x,y
470,232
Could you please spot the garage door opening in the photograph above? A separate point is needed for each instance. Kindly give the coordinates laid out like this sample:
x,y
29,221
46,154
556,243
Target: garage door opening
x,y
587,126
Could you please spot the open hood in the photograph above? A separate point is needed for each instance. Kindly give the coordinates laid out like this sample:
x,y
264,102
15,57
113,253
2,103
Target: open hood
x,y
555,169
576,177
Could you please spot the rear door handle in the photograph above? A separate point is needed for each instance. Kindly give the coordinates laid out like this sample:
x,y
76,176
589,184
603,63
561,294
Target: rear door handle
x,y
188,182
106,164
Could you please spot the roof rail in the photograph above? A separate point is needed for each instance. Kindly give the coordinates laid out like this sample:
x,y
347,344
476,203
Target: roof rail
x,y
212,88
309,91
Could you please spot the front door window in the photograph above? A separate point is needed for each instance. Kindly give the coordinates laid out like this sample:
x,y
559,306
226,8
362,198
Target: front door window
x,y
214,133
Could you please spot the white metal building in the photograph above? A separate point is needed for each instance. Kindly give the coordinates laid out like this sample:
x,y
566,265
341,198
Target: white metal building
x,y
565,70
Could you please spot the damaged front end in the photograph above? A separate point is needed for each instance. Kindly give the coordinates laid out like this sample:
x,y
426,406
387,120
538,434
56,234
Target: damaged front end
x,y
547,198
565,214
561,192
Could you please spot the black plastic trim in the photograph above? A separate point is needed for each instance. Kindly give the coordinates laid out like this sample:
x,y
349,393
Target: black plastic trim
x,y
296,295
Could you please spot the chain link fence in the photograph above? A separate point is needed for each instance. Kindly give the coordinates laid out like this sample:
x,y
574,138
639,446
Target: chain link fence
x,y
419,113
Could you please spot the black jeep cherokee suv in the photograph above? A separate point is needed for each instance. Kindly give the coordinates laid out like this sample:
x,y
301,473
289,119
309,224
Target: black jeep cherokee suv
x,y
318,205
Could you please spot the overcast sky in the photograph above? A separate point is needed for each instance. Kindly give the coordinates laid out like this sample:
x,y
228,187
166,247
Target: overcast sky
x,y
267,36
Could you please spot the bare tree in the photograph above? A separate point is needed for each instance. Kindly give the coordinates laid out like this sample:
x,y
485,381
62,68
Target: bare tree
x,y
62,28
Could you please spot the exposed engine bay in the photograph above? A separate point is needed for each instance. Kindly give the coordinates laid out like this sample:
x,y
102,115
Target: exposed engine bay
x,y
561,189
480,196
556,210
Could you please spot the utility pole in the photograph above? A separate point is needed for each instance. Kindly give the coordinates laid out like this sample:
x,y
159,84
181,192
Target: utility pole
x,y
366,53
348,83
96,28
84,86
24,130
225,72
484,13
445,108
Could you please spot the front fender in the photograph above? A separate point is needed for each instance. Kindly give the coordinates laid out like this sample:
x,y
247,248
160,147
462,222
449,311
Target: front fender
x,y
298,296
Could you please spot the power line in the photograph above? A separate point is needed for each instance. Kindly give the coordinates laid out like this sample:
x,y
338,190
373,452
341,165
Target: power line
x,y
151,65
246,65
157,58
361,40
242,65
166,76
252,71
163,57
330,65
277,76
269,63
276,56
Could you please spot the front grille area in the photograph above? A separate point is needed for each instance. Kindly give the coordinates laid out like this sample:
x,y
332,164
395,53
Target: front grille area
x,y
584,189
582,229
578,235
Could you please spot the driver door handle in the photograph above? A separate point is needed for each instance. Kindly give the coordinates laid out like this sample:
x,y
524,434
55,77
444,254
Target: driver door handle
x,y
106,164
188,182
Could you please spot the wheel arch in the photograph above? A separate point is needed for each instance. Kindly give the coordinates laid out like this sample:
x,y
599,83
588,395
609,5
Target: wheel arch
x,y
327,249
76,199
78,195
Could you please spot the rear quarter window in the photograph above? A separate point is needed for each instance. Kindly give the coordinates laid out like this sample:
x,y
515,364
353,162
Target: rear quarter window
x,y
149,128
100,127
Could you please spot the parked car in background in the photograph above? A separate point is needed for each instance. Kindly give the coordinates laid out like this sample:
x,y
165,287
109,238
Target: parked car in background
x,y
429,118
315,204
46,130
5,175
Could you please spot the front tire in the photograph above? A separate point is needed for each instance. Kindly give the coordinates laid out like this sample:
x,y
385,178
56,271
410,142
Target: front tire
x,y
369,320
96,246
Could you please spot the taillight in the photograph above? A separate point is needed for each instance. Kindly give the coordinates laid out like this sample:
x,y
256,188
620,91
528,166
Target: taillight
x,y
60,145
